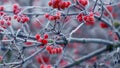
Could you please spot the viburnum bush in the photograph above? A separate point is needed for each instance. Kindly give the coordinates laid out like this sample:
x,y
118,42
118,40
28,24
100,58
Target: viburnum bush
x,y
59,33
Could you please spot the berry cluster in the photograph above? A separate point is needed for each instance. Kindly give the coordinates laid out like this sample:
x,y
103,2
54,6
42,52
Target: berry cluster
x,y
52,50
16,8
45,66
89,19
22,18
5,21
83,2
42,40
51,17
59,4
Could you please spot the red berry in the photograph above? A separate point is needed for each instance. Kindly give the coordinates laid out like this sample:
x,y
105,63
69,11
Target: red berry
x,y
1,8
45,36
51,18
25,19
37,36
2,13
91,18
110,8
60,50
49,48
2,22
42,66
80,17
18,18
8,23
50,3
46,15
50,51
83,2
44,41
15,6
69,2
103,25
57,50
54,51
15,16
16,11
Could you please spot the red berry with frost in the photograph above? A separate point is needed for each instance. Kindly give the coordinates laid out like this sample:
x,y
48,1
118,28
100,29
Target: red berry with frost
x,y
45,36
2,13
46,15
37,36
44,41
25,19
15,6
15,16
48,48
18,18
8,23
2,22
83,2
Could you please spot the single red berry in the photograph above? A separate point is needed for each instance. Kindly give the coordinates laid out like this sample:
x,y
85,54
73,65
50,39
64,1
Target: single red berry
x,y
15,16
57,50
60,50
37,36
46,15
18,18
16,11
103,25
48,48
2,13
91,18
2,22
50,3
8,23
50,51
15,6
45,36
69,2
83,2
1,8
